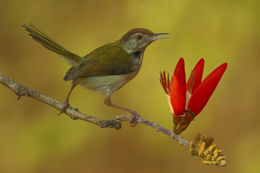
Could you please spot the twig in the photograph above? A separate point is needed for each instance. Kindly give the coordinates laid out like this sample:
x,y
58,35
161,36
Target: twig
x,y
74,114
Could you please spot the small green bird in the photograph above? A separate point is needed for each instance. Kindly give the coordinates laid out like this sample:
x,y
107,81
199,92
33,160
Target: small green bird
x,y
106,68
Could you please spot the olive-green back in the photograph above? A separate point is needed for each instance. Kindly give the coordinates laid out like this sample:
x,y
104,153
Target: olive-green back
x,y
109,59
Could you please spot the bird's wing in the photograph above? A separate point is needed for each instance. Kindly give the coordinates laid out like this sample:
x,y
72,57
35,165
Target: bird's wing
x,y
109,59
70,57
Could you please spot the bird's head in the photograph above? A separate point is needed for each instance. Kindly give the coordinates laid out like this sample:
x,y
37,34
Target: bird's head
x,y
138,39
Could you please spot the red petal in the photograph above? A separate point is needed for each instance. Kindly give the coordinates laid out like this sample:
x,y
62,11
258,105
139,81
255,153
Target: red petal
x,y
201,96
178,89
195,77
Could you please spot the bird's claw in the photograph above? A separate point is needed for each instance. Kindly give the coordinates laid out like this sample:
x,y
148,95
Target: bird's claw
x,y
65,105
133,118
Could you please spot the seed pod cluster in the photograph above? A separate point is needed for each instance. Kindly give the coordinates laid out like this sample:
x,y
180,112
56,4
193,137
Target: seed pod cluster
x,y
204,148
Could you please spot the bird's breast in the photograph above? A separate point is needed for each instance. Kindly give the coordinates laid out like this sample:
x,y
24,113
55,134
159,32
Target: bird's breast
x,y
106,84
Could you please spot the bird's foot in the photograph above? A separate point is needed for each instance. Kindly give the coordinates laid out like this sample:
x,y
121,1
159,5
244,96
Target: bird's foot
x,y
133,118
65,105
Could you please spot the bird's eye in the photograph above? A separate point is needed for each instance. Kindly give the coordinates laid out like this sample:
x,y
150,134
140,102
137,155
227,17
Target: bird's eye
x,y
139,37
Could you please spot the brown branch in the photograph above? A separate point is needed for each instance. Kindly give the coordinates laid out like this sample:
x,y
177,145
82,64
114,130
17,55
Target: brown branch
x,y
195,149
73,113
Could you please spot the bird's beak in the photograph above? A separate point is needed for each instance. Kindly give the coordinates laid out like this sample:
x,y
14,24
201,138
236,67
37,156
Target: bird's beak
x,y
159,36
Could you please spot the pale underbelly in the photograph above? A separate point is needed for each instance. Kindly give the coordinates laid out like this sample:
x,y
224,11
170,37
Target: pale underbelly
x,y
105,84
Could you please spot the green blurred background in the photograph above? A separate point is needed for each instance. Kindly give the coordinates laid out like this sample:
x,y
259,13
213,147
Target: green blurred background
x,y
34,139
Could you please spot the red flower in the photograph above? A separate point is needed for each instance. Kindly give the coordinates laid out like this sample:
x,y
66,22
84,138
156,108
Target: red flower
x,y
188,100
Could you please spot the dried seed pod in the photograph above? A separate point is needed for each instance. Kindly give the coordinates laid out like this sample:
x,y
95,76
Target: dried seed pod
x,y
202,148
212,148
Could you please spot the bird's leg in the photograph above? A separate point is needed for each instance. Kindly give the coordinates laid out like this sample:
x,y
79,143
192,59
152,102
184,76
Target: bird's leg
x,y
134,114
65,104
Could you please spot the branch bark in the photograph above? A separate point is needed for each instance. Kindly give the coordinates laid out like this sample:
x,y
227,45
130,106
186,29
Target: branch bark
x,y
74,114
201,147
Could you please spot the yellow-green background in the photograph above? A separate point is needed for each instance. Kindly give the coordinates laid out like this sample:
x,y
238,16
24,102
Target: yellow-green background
x,y
34,139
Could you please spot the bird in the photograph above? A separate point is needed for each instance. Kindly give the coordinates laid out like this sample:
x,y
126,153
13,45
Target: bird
x,y
105,69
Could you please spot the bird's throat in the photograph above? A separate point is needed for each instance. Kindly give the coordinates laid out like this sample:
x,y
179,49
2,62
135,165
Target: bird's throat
x,y
138,54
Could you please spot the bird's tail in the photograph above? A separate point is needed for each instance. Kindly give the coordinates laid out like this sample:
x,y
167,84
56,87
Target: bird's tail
x,y
52,45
